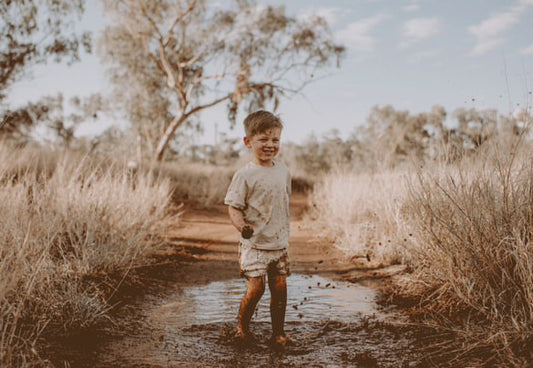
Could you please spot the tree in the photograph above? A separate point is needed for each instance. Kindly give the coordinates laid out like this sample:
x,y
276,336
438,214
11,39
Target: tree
x,y
48,112
475,127
171,59
32,32
393,136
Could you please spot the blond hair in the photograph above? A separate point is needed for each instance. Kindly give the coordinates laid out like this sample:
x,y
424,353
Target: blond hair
x,y
261,121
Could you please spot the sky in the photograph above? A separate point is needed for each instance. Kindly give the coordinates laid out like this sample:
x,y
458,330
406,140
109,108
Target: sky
x,y
411,54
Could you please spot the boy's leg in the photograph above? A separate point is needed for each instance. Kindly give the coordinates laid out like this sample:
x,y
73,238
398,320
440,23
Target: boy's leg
x,y
254,292
278,303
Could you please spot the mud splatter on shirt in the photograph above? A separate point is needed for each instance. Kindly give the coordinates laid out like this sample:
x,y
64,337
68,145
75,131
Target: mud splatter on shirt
x,y
262,193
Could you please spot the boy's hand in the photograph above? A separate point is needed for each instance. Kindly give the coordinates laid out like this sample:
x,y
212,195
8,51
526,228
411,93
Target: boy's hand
x,y
247,232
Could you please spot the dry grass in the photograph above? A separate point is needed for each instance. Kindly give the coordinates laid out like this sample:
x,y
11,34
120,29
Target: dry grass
x,y
475,257
200,185
363,213
66,218
467,231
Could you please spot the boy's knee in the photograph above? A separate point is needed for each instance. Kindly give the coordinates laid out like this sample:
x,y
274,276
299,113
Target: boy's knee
x,y
278,284
257,284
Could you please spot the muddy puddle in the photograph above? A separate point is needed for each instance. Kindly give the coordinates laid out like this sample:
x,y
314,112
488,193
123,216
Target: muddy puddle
x,y
335,324
310,298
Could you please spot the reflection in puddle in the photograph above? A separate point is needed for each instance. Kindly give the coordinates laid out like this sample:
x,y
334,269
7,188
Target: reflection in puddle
x,y
310,298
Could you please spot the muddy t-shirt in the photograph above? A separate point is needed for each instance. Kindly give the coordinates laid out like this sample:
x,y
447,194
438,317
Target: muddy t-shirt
x,y
262,193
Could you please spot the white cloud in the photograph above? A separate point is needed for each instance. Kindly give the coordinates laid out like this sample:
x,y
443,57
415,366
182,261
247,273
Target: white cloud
x,y
332,15
485,45
528,50
495,25
418,29
357,35
489,32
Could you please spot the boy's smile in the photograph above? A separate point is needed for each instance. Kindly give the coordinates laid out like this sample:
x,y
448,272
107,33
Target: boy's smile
x,y
264,145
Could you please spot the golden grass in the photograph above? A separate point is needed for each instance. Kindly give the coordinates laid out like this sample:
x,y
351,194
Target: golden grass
x,y
204,185
363,214
66,218
475,253
466,229
200,185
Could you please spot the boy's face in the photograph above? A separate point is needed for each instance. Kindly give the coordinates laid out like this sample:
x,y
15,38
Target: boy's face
x,y
264,146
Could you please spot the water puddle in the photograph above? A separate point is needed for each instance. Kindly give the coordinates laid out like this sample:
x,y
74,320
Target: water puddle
x,y
333,321
310,298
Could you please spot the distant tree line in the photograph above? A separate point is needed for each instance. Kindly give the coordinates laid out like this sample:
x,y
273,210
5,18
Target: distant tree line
x,y
391,138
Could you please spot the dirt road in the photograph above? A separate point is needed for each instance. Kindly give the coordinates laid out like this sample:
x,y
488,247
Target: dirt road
x,y
181,310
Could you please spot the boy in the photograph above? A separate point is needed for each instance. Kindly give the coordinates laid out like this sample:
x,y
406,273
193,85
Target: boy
x,y
258,206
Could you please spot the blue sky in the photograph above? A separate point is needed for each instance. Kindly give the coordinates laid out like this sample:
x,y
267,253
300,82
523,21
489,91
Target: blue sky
x,y
411,54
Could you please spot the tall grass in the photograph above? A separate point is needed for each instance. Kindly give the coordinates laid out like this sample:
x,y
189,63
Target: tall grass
x,y
466,229
66,219
362,213
475,224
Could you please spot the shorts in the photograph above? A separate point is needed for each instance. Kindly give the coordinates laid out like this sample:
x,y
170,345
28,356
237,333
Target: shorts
x,y
260,262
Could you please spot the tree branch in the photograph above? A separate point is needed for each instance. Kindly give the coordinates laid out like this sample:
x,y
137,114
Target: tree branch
x,y
207,105
178,19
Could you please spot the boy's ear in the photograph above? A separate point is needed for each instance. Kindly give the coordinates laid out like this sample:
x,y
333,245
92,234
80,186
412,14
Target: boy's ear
x,y
246,141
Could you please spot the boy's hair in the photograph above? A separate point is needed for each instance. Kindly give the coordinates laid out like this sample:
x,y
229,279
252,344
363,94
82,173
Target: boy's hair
x,y
261,121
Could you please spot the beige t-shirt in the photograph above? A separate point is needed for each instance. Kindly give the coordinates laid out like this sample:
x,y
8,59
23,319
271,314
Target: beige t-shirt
x,y
262,193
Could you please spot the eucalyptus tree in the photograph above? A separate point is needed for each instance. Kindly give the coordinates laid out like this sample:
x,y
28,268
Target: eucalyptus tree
x,y
171,59
33,32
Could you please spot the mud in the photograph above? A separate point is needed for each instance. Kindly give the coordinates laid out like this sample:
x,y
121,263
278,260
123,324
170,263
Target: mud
x,y
331,322
182,311
335,323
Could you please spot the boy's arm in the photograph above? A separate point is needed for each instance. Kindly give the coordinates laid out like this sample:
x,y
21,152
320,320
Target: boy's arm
x,y
237,219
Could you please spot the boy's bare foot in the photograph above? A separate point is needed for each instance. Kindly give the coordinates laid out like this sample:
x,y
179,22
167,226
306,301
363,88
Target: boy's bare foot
x,y
283,341
244,338
239,335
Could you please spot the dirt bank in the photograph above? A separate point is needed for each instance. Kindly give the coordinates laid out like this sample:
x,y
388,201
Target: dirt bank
x,y
179,310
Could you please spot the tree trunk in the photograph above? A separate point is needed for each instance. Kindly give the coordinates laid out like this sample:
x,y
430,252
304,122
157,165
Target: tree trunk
x,y
167,136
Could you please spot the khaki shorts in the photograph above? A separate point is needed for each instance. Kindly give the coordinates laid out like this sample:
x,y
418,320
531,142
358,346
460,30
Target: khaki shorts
x,y
259,262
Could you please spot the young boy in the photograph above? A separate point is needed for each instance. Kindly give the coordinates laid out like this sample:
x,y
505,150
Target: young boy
x,y
258,206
